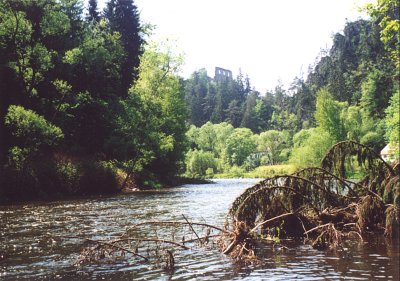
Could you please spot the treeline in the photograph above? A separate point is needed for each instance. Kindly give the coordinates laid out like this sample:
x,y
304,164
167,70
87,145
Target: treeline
x,y
351,93
87,106
234,101
223,149
357,70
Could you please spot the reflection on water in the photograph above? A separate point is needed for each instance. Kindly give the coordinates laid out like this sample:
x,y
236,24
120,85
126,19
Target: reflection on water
x,y
40,241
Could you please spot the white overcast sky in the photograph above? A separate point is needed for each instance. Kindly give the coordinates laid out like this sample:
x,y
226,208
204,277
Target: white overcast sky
x,y
268,40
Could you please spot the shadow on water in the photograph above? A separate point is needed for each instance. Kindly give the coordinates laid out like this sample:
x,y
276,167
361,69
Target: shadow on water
x,y
41,241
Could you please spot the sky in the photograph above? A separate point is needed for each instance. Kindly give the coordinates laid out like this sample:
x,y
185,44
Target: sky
x,y
270,41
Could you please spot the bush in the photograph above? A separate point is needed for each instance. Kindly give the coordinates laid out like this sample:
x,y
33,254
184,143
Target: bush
x,y
311,153
98,178
68,174
210,173
236,172
252,161
198,162
270,171
30,172
31,130
373,140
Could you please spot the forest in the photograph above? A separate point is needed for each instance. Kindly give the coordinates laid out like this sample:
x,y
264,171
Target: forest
x,y
91,105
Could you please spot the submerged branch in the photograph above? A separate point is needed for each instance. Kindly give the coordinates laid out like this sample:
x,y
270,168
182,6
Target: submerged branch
x,y
178,223
152,240
110,244
191,227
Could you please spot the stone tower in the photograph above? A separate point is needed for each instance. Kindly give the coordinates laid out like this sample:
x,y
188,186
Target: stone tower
x,y
221,73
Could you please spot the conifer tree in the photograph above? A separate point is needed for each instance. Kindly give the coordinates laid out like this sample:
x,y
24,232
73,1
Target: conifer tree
x,y
93,14
123,17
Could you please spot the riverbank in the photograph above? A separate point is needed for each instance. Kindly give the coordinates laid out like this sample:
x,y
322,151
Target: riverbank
x,y
60,176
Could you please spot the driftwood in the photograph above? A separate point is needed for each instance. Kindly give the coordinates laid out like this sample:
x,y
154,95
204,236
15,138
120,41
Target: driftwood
x,y
137,244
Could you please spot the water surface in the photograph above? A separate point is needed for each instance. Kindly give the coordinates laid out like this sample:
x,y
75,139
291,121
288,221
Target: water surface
x,y
41,241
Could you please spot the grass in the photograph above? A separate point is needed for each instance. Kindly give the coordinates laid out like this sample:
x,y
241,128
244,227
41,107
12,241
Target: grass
x,y
270,171
259,172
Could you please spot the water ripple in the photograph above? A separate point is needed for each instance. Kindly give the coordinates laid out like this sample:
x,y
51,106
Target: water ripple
x,y
40,241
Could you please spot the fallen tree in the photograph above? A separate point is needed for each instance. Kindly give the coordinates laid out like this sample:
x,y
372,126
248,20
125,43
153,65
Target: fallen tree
x,y
319,204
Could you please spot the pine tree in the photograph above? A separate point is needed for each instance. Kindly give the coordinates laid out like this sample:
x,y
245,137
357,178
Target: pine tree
x,y
123,17
93,14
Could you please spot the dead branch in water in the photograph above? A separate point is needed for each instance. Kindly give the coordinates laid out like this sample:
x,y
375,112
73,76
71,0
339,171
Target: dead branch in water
x,y
155,250
150,240
177,223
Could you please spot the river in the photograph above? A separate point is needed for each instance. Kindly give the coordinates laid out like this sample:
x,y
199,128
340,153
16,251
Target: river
x,y
41,241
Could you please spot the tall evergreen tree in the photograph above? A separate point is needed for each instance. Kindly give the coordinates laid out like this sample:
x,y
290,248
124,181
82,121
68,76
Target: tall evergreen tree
x,y
249,119
93,13
123,17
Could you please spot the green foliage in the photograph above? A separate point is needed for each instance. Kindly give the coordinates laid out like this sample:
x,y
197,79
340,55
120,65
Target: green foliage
x,y
301,137
386,14
239,145
310,150
98,62
72,75
354,123
123,18
284,121
210,137
271,171
216,100
357,55
209,173
368,99
236,172
372,139
329,115
161,113
272,143
207,138
249,119
69,175
254,160
31,130
200,163
55,23
28,30
17,158
392,120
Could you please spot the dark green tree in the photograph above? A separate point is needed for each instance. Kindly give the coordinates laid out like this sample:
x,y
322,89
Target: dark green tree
x,y
249,119
234,113
199,97
123,17
93,13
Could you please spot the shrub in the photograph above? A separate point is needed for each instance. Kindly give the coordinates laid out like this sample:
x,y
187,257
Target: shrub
x,y
198,162
236,172
210,173
270,171
98,178
30,129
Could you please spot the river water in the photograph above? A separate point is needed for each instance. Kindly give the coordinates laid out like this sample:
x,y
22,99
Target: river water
x,y
41,241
